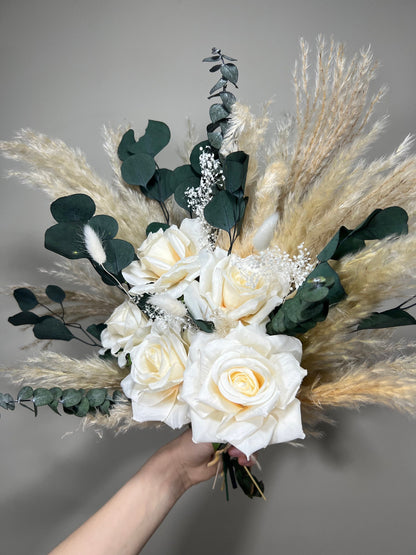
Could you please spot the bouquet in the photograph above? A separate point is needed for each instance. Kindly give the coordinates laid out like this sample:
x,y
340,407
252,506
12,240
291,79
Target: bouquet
x,y
245,292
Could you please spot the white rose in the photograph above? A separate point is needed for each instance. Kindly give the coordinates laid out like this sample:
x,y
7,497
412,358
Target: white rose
x,y
241,389
126,327
155,379
168,259
229,287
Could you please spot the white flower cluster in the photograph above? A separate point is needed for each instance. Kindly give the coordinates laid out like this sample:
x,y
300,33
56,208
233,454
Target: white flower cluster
x,y
236,385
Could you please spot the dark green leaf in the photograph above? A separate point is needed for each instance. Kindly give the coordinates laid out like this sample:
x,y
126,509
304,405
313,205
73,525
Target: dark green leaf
x,y
155,226
221,83
119,255
215,68
96,397
24,318
82,408
52,328
336,292
138,169
56,392
235,172
25,298
195,154
156,137
211,59
230,72
161,186
118,396
394,317
222,211
245,482
126,142
55,293
217,112
42,397
206,326
25,394
229,59
228,99
104,408
66,239
7,401
215,139
96,329
383,223
186,178
73,208
71,397
106,227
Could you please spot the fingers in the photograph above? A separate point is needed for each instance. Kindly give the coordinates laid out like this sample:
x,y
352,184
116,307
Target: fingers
x,y
241,457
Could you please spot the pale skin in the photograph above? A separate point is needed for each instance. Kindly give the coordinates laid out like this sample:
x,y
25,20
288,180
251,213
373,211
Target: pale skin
x,y
127,521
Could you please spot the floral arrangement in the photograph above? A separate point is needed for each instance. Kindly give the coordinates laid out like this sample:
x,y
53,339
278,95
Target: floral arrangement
x,y
234,297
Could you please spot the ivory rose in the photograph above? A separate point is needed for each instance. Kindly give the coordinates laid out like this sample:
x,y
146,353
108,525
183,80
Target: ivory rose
x,y
155,378
241,389
126,328
168,260
229,288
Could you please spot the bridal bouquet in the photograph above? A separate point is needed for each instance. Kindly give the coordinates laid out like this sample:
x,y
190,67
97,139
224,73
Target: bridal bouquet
x,y
245,292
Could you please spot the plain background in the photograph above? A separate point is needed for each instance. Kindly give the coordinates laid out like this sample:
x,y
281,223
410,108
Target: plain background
x,y
69,66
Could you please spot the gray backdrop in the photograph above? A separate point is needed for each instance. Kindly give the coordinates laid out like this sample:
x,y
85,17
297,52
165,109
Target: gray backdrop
x,y
67,68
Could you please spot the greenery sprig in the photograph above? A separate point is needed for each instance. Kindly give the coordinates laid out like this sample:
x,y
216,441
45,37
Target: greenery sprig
x,y
78,402
219,113
322,288
53,324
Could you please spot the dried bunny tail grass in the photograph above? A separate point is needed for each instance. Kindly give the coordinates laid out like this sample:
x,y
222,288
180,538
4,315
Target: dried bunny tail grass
x,y
50,369
388,383
59,170
329,115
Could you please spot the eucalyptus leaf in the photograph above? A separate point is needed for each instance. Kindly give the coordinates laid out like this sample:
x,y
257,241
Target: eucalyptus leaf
x,y
25,393
23,319
394,317
220,84
161,186
206,326
119,253
7,401
217,112
42,397
82,408
96,329
222,211
230,72
215,139
25,298
235,172
96,396
104,408
66,239
105,226
55,293
215,68
155,138
155,226
138,169
71,397
195,154
52,328
126,142
73,208
228,99
211,59
336,292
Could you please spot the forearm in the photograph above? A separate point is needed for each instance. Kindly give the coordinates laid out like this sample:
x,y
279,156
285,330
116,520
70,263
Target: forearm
x,y
126,522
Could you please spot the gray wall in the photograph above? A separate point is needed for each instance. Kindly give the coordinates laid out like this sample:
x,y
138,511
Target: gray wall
x,y
66,68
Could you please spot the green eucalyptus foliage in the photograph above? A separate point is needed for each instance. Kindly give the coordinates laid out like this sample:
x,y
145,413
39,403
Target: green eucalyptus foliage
x,y
53,324
78,402
220,111
66,238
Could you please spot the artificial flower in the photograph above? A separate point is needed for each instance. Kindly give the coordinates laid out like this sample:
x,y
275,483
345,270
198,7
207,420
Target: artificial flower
x,y
241,389
168,259
156,375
